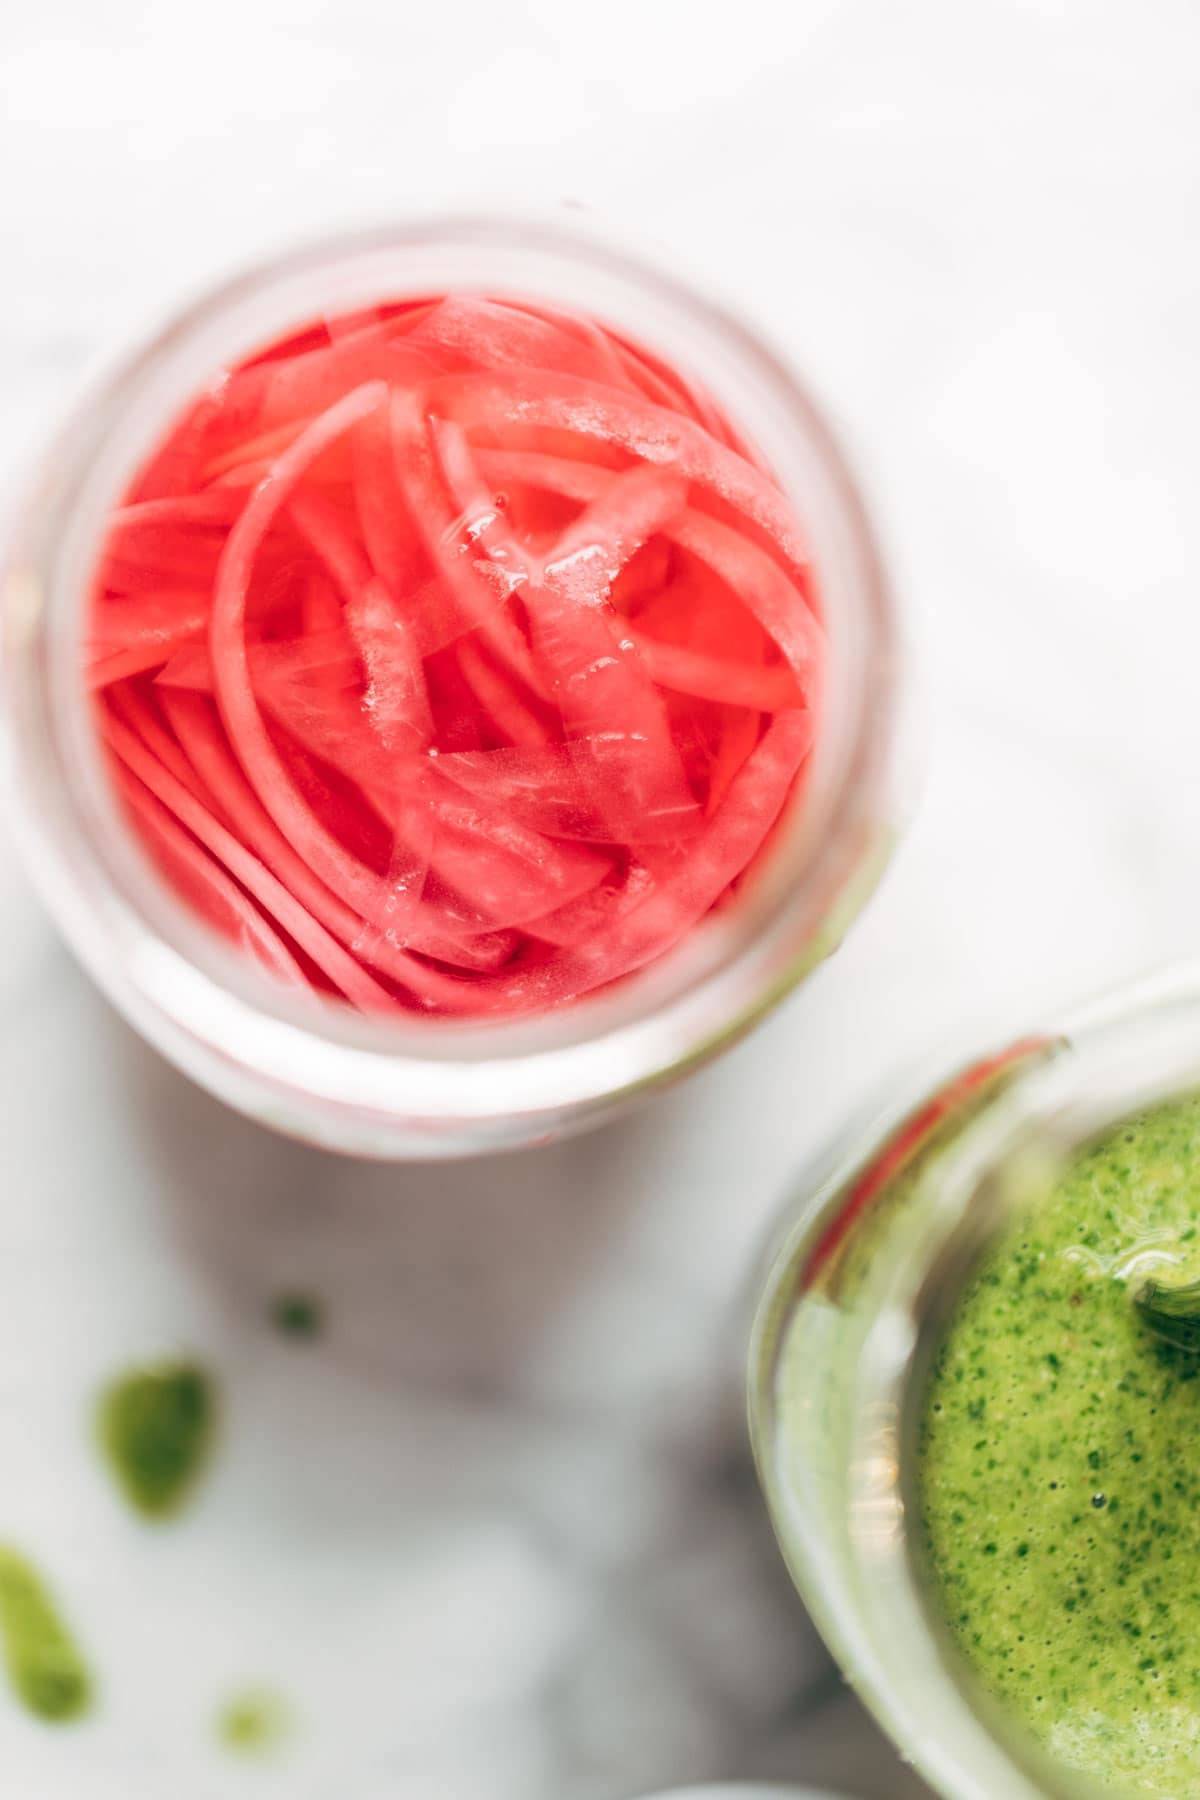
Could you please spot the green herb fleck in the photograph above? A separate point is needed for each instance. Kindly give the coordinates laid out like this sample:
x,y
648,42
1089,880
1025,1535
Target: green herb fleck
x,y
253,1722
298,1315
157,1426
47,1671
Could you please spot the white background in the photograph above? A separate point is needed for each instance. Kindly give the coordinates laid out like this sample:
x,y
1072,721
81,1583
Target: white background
x,y
497,1538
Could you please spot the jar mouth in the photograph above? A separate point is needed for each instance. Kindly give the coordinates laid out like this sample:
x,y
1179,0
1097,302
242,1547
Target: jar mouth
x,y
1132,1051
197,999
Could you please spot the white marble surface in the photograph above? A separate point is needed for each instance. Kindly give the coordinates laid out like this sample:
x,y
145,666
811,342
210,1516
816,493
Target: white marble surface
x,y
508,1515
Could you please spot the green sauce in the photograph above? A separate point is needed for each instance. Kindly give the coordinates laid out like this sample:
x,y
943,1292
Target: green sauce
x,y
253,1722
156,1427
1060,1467
46,1670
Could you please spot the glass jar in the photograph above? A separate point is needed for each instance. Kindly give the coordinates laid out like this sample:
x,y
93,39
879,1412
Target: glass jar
x,y
859,1289
426,1089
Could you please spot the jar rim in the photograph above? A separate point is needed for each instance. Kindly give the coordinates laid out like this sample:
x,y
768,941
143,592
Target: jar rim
x,y
198,1001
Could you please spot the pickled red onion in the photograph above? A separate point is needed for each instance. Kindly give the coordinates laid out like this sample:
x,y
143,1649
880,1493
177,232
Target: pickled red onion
x,y
454,657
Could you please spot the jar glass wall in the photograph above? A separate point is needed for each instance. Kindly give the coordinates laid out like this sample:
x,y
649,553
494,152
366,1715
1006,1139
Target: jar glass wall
x,y
879,1250
418,1088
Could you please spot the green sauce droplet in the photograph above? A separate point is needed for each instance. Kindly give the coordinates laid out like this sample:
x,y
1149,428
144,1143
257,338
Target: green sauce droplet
x,y
298,1315
253,1722
156,1427
47,1672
